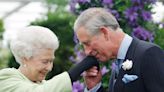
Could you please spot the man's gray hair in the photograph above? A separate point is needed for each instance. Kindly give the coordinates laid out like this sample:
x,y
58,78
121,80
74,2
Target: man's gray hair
x,y
29,41
93,18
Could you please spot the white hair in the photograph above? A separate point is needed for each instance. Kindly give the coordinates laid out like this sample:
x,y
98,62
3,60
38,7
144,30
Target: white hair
x,y
29,41
93,18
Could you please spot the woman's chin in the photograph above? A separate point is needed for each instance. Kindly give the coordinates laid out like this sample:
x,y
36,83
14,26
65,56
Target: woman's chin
x,y
41,78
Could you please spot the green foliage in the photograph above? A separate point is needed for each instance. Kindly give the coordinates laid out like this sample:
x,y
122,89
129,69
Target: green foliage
x,y
58,2
4,57
56,5
12,62
3,52
159,38
1,28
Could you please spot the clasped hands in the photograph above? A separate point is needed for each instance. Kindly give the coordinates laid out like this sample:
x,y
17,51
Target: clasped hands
x,y
92,77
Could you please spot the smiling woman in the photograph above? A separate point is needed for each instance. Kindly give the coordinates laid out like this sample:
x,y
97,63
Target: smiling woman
x,y
34,48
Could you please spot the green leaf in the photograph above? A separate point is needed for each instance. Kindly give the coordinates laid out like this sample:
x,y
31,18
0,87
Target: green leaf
x,y
58,2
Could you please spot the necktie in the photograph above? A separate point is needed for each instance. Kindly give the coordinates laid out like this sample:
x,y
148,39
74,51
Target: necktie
x,y
116,66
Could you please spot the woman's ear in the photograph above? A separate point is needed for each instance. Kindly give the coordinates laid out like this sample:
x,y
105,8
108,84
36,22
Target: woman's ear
x,y
24,60
105,32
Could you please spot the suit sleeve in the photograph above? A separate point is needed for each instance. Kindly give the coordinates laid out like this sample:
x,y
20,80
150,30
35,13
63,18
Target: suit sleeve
x,y
85,64
152,69
97,88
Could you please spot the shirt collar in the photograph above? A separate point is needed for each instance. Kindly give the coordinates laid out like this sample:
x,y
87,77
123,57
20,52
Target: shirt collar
x,y
127,40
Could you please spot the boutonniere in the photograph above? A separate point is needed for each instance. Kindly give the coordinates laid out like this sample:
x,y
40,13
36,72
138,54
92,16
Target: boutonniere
x,y
127,65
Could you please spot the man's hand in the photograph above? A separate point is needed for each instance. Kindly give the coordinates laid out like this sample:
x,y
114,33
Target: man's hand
x,y
92,77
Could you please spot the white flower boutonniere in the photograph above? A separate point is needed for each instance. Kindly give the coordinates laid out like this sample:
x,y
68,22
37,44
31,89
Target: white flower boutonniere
x,y
127,65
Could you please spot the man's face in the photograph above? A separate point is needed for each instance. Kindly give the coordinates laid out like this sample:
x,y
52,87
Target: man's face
x,y
98,45
40,65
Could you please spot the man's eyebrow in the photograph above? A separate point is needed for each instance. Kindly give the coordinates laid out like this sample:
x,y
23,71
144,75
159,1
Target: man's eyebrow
x,y
84,42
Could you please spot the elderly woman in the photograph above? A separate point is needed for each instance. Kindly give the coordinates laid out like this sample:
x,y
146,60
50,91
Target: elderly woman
x,y
34,48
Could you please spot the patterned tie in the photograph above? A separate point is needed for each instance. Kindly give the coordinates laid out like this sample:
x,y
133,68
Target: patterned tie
x,y
116,66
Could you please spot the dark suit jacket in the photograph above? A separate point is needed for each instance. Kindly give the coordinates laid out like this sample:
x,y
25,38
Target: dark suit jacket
x,y
148,65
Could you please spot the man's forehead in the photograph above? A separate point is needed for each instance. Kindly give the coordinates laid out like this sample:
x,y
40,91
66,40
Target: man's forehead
x,y
82,37
82,32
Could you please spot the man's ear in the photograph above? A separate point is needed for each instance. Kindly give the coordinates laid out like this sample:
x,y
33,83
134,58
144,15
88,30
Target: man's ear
x,y
105,32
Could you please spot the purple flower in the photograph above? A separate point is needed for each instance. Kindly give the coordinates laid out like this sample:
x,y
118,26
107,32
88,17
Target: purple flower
x,y
75,39
138,7
78,87
108,4
143,1
162,25
72,5
146,15
142,34
150,1
136,1
107,1
84,1
79,51
113,66
133,24
72,8
131,14
115,13
104,70
72,59
80,55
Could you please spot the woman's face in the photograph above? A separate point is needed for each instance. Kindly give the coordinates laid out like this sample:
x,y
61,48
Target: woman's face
x,y
39,65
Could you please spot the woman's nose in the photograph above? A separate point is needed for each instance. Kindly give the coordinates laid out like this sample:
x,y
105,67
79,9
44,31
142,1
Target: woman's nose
x,y
49,66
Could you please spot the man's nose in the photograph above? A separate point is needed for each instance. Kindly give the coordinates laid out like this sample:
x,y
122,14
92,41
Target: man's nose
x,y
87,50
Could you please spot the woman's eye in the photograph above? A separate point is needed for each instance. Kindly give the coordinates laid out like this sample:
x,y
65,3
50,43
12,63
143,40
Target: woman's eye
x,y
45,62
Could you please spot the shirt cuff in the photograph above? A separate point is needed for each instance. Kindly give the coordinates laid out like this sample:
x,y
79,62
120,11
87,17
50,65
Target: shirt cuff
x,y
94,89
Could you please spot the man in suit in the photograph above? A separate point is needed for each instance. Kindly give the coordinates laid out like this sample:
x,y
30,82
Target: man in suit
x,y
141,64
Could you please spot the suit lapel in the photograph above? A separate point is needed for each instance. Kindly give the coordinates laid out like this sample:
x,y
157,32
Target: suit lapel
x,y
130,53
119,85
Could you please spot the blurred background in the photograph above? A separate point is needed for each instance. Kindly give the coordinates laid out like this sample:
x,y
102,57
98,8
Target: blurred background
x,y
143,19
